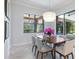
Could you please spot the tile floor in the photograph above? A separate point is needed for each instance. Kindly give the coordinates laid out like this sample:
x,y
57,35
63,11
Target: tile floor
x,y
25,52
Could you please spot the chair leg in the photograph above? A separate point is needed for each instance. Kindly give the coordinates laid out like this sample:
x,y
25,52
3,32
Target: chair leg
x,y
67,57
64,57
60,56
52,54
32,48
72,56
35,50
41,55
37,54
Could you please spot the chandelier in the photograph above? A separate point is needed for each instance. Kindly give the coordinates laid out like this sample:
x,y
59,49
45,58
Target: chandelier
x,y
49,16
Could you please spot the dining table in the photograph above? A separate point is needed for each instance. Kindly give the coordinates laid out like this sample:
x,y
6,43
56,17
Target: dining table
x,y
55,42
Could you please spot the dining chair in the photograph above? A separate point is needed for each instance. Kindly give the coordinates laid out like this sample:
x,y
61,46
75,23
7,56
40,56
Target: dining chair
x,y
34,44
70,36
43,49
66,50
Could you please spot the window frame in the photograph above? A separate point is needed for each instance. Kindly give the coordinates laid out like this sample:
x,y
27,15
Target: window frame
x,y
65,20
64,25
35,23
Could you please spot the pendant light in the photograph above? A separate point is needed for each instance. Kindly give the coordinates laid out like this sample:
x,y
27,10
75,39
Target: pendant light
x,y
49,16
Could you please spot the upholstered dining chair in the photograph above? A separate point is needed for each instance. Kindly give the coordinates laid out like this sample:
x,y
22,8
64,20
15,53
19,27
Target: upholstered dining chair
x,y
70,36
34,44
66,50
43,49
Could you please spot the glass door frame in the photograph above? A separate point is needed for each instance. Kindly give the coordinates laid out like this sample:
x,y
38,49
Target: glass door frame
x,y
64,22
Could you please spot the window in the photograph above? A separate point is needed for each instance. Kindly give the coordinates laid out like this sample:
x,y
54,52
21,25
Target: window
x,y
40,25
65,23
32,24
70,27
28,25
59,24
70,22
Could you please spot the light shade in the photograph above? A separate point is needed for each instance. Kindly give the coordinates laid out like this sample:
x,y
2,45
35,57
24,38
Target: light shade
x,y
49,16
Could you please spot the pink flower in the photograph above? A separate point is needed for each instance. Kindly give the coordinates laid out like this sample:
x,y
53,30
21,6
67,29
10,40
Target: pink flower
x,y
48,29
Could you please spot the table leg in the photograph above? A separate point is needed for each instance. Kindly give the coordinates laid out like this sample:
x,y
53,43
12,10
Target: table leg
x,y
54,55
41,55
54,52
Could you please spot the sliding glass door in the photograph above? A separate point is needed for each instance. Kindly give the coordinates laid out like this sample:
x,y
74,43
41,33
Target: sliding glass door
x,y
59,25
65,23
70,22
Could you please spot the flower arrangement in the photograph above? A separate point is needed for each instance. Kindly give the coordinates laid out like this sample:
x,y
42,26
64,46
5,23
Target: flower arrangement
x,y
49,31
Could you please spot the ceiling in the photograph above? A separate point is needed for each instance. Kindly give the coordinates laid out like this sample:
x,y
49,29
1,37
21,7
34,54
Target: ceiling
x,y
54,4
71,17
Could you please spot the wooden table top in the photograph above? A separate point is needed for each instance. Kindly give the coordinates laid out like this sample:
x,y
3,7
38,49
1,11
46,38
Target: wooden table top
x,y
55,41
59,40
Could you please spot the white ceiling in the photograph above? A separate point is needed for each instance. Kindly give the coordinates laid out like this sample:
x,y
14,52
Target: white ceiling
x,y
54,4
71,17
